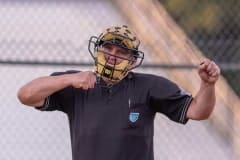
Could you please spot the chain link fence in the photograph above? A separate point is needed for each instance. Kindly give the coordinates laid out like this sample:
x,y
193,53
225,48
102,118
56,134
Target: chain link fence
x,y
39,37
214,26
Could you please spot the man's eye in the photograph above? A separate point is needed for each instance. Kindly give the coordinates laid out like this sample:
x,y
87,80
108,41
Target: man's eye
x,y
123,53
107,49
120,53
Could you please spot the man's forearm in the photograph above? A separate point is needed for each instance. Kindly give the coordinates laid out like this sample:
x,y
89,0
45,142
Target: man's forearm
x,y
203,103
37,90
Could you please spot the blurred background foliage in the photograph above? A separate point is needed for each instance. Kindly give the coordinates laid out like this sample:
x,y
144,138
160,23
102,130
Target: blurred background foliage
x,y
214,26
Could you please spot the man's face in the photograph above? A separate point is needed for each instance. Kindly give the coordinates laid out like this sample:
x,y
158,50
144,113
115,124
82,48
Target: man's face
x,y
114,54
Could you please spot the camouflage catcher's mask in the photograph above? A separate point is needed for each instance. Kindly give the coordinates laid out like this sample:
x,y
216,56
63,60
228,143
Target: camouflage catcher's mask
x,y
120,36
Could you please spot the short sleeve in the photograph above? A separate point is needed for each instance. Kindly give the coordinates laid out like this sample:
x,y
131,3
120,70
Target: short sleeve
x,y
62,100
167,98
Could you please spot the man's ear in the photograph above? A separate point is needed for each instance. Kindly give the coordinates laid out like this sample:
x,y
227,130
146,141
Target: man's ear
x,y
133,60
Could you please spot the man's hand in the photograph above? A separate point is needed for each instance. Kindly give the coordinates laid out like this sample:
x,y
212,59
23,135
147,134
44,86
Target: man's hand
x,y
84,80
209,72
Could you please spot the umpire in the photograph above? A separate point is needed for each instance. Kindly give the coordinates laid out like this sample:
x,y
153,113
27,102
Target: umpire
x,y
111,111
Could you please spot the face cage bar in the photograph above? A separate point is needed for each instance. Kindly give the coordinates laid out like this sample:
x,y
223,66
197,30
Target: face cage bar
x,y
112,72
95,40
130,61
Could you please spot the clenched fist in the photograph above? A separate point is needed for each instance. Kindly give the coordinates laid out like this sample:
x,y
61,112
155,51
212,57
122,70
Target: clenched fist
x,y
85,80
209,72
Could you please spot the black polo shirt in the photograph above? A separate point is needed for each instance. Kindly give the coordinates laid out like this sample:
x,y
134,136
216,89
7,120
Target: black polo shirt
x,y
116,122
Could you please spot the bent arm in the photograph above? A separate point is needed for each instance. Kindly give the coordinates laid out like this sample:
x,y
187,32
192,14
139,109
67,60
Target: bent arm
x,y
203,103
35,92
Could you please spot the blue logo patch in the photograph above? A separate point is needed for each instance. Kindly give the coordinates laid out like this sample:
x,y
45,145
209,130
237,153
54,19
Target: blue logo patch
x,y
133,116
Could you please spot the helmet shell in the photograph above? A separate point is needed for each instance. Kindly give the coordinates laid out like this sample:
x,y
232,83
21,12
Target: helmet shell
x,y
120,35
